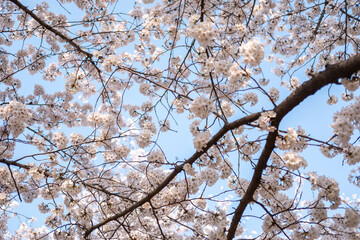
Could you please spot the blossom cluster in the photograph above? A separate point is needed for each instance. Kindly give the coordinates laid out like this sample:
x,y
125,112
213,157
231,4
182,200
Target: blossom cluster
x,y
202,107
344,124
253,52
293,161
288,141
265,119
238,78
203,32
60,139
15,114
201,139
328,189
148,130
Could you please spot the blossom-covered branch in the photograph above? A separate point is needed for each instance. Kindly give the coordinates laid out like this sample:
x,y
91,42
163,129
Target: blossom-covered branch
x,y
102,103
331,74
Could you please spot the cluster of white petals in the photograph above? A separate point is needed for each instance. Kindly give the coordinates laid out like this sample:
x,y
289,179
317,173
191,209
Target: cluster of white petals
x,y
15,115
352,218
251,97
238,78
350,84
252,52
345,122
201,140
293,161
203,32
60,139
328,189
202,107
227,109
288,141
264,121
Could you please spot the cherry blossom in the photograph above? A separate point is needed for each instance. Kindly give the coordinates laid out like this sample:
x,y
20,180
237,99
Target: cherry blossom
x,y
175,119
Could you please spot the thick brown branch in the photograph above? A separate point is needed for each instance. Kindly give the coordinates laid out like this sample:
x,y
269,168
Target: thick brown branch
x,y
14,163
331,74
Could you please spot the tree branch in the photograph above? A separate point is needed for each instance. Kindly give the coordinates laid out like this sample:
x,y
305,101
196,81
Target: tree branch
x,y
14,163
331,74
50,28
177,170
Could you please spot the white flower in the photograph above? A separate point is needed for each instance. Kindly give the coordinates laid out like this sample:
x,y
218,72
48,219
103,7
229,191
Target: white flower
x,y
251,97
202,107
143,140
16,115
343,128
349,84
76,138
201,140
203,32
252,52
71,187
36,173
289,141
145,89
179,104
238,78
353,154
121,151
274,94
227,108
328,189
347,96
210,176
293,161
225,169
189,169
319,212
156,156
352,218
60,139
264,120
332,100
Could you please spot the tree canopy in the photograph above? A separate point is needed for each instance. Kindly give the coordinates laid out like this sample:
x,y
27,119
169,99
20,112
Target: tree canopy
x,y
166,119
